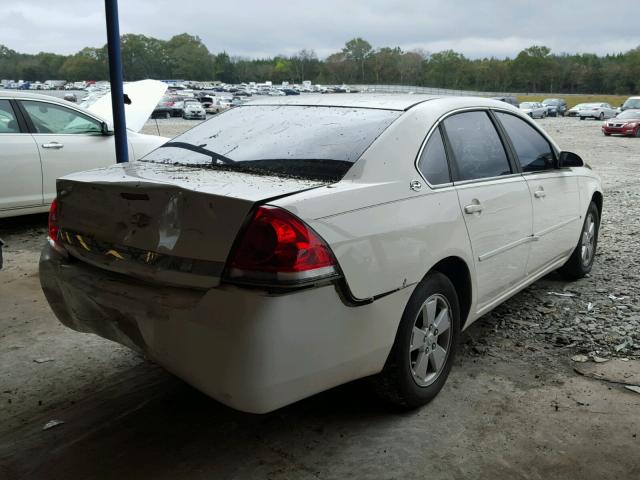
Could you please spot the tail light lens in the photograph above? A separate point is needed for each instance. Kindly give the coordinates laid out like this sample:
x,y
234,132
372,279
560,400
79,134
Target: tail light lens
x,y
53,220
277,248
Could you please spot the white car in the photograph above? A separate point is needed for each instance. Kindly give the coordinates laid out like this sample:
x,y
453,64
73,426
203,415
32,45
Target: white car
x,y
193,109
43,138
534,109
264,259
599,111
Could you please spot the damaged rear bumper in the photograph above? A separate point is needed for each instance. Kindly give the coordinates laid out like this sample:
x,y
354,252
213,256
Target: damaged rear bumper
x,y
248,349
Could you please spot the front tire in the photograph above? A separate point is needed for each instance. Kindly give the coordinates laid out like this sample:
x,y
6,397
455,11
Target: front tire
x,y
581,260
425,344
601,116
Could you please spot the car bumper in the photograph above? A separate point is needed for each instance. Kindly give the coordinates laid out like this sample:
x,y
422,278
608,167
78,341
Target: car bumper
x,y
619,130
248,349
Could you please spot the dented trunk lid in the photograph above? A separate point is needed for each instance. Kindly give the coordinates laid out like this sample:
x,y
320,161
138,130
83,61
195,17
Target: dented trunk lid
x,y
166,224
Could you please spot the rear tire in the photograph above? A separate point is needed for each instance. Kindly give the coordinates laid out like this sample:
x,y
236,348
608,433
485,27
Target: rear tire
x,y
601,116
425,344
581,260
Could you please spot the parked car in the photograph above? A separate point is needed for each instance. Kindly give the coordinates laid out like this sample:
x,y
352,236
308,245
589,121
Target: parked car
x,y
510,100
626,123
555,106
43,138
169,106
533,109
630,103
598,111
281,263
193,109
218,105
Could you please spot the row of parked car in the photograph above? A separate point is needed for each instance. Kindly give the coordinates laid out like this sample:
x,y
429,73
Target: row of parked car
x,y
192,106
626,118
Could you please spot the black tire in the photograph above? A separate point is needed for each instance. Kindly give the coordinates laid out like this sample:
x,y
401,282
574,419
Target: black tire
x,y
576,267
582,118
167,115
396,383
601,116
637,132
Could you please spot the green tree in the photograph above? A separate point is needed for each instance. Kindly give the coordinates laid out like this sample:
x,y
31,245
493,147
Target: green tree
x,y
357,50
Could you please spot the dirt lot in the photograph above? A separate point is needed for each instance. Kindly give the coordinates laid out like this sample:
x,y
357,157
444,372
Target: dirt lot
x,y
515,407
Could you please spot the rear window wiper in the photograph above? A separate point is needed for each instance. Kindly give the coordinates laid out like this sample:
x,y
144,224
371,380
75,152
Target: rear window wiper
x,y
215,157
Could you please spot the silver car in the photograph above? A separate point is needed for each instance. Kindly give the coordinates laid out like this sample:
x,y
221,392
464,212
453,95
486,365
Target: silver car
x,y
193,109
534,109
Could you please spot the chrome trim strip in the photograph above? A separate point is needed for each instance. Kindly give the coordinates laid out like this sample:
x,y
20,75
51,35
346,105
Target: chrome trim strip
x,y
555,227
504,248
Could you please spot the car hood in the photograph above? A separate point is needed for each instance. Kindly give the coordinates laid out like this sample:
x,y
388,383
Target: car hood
x,y
144,95
623,120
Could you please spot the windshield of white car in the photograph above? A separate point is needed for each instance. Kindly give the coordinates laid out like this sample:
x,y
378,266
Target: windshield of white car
x,y
632,103
295,141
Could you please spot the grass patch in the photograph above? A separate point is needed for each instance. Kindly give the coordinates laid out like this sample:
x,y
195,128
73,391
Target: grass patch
x,y
573,100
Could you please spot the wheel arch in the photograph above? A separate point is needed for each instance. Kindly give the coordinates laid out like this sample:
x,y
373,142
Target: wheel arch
x,y
457,271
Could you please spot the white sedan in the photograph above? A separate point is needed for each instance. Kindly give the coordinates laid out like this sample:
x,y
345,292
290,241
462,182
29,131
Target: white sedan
x,y
347,236
534,109
43,138
598,111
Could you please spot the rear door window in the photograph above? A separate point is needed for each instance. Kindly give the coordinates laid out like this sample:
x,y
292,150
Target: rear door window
x,y
290,140
433,161
476,146
533,150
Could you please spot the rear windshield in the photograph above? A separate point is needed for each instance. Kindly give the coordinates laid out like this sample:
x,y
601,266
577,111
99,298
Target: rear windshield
x,y
319,143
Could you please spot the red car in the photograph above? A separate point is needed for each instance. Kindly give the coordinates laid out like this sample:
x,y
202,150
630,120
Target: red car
x,y
626,123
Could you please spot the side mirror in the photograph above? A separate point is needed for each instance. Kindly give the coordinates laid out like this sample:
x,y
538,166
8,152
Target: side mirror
x,y
106,130
569,159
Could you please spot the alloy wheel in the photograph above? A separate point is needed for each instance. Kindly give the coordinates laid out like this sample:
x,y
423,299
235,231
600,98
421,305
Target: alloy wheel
x,y
430,340
588,240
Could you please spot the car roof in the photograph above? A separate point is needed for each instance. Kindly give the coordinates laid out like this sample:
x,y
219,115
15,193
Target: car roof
x,y
21,94
383,101
33,96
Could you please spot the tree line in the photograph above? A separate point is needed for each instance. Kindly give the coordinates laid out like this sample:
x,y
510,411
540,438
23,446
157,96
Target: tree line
x,y
534,69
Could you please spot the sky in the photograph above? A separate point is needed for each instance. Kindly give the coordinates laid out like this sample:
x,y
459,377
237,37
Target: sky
x,y
265,28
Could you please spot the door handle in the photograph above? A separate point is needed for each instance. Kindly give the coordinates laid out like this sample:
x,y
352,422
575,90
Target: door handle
x,y
539,193
54,145
473,208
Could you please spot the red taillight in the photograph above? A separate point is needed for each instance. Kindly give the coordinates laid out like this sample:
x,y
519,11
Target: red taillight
x,y
53,220
277,247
